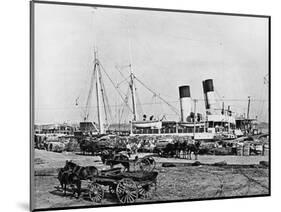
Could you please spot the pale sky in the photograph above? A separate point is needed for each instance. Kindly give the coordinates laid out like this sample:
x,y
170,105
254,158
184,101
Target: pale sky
x,y
168,49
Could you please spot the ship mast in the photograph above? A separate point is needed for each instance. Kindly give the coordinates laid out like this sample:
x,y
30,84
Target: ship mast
x,y
133,92
194,120
132,84
98,93
248,108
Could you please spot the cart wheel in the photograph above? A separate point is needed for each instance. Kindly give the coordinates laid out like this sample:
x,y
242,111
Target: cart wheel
x,y
96,192
143,164
127,191
152,163
147,191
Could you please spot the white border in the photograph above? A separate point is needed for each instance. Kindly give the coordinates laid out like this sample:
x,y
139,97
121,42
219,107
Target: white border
x,y
14,84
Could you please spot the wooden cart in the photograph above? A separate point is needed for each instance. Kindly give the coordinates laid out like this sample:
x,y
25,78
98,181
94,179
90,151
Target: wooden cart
x,y
127,186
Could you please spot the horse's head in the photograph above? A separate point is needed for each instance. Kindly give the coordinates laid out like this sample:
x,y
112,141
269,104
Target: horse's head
x,y
105,155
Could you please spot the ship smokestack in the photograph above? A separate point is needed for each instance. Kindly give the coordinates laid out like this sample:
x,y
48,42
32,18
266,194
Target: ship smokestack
x,y
209,94
185,101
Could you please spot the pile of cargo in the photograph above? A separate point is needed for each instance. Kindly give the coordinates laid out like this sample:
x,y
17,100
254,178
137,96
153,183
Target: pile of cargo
x,y
56,142
243,146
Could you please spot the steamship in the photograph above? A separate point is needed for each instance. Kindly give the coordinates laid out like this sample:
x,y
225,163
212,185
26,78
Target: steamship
x,y
214,125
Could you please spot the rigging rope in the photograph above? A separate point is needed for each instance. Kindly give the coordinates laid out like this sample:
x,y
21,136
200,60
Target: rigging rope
x,y
171,106
126,99
140,111
115,87
125,80
103,96
118,69
86,112
107,103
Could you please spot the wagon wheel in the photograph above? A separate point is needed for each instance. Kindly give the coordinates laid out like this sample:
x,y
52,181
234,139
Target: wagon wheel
x,y
127,191
143,164
96,192
147,191
152,163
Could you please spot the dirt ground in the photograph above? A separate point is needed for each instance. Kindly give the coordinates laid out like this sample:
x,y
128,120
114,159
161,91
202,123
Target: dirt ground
x,y
174,183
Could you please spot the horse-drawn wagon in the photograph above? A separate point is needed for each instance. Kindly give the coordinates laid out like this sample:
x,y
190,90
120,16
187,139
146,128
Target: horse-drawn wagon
x,y
126,185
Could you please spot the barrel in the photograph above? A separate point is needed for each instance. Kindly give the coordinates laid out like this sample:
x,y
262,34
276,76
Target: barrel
x,y
246,149
266,150
240,150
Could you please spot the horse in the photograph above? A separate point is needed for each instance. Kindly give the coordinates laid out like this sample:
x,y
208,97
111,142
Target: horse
x,y
111,159
181,148
86,147
169,150
193,147
68,178
83,172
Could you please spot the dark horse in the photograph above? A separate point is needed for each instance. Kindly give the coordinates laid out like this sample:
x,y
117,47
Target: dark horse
x,y
174,149
111,159
69,178
83,172
193,147
80,172
169,150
